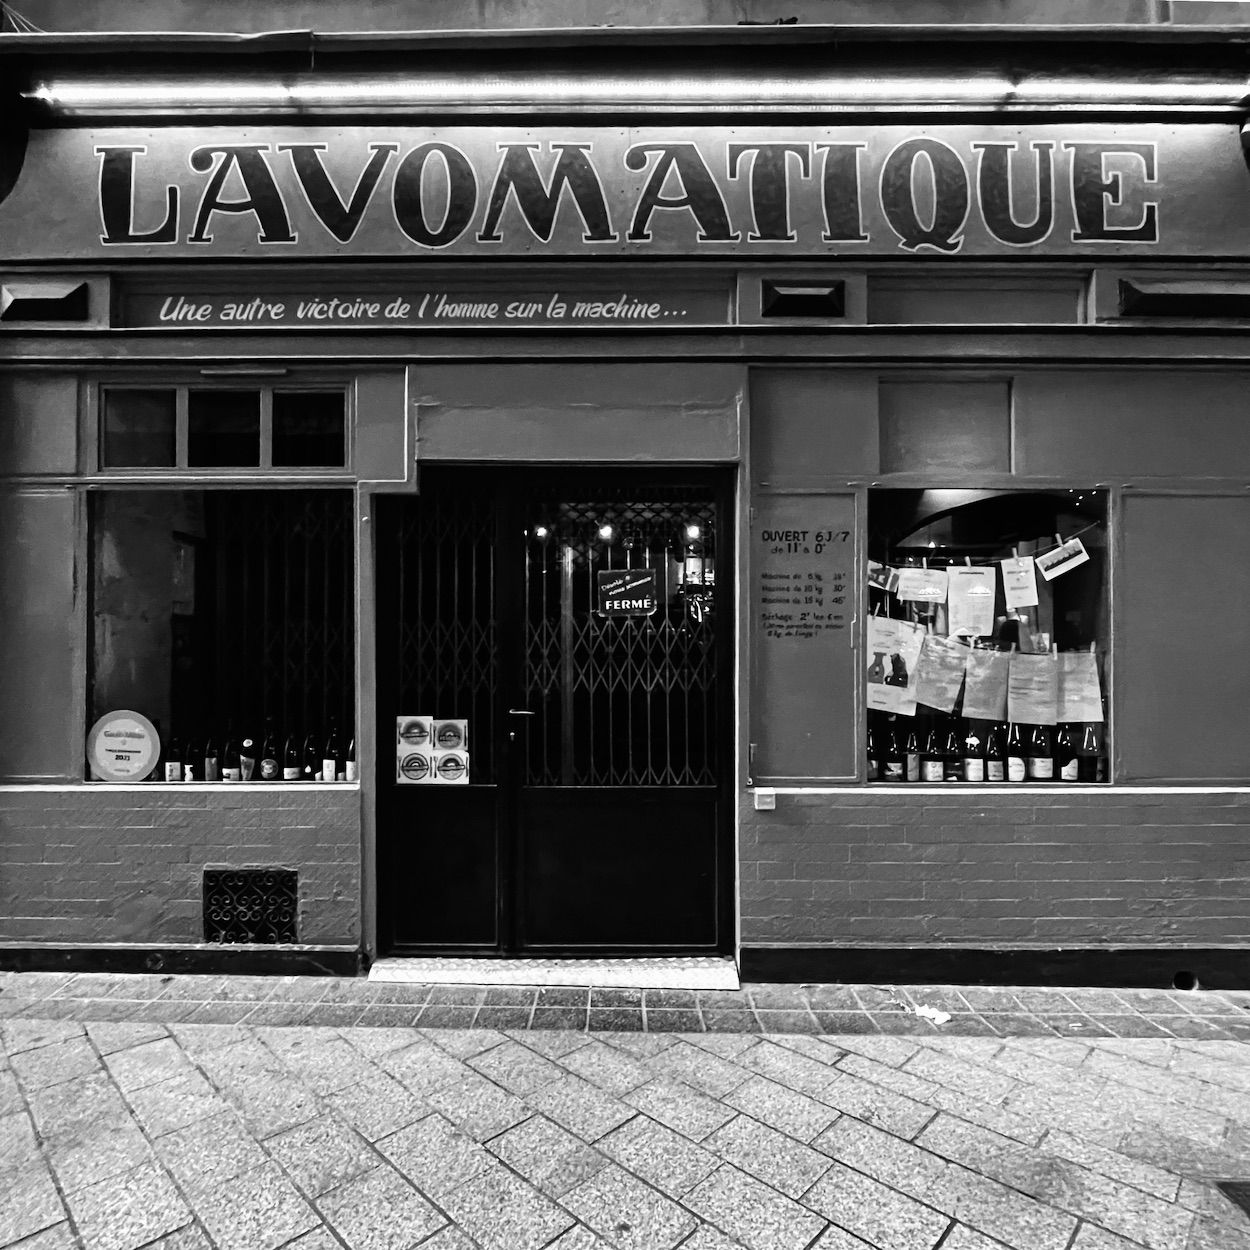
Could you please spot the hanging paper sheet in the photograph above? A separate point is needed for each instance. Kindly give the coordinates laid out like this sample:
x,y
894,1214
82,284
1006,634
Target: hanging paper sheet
x,y
922,585
882,577
1062,558
1080,691
895,648
940,672
1019,582
970,602
1033,689
985,688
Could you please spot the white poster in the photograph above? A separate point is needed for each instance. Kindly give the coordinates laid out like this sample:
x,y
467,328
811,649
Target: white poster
x,y
1019,582
985,685
940,672
1080,691
1061,559
970,602
1033,689
922,585
894,647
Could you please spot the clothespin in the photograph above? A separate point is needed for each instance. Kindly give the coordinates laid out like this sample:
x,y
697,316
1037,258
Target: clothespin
x,y
967,562
1015,553
1058,540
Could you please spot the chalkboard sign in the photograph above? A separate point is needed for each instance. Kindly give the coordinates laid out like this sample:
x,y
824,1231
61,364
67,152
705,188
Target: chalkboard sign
x,y
627,592
803,643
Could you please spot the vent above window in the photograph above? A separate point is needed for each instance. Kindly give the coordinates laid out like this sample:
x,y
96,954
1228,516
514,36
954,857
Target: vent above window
x,y
35,300
803,299
1209,299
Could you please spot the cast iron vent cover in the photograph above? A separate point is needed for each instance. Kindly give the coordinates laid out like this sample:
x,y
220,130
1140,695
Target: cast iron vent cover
x,y
1236,1191
250,905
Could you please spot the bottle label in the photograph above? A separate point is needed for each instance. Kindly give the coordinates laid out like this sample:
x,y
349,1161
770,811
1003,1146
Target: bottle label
x,y
247,768
351,771
931,770
913,766
232,774
269,770
341,776
1070,771
994,770
290,774
188,773
1015,768
211,771
1041,767
327,770
974,769
894,770
173,770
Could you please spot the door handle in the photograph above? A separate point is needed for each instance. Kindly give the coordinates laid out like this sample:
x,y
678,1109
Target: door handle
x,y
521,711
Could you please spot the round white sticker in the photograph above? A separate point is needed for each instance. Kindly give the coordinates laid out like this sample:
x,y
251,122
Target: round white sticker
x,y
122,746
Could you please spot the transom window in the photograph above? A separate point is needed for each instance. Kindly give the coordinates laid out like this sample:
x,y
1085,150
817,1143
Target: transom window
x,y
255,428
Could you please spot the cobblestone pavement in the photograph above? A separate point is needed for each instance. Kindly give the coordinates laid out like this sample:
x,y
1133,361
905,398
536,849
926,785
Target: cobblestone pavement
x,y
255,1113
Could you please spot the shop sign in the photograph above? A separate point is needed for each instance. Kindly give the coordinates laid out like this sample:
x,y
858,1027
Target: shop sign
x,y
420,305
122,746
286,192
627,592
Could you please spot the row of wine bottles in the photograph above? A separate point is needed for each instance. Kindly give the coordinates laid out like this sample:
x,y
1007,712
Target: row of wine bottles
x,y
271,757
952,748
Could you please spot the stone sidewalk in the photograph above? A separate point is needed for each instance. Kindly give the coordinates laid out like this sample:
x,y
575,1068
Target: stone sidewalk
x,y
257,1113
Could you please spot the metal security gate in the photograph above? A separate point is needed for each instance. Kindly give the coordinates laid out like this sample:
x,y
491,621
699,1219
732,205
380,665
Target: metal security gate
x,y
576,621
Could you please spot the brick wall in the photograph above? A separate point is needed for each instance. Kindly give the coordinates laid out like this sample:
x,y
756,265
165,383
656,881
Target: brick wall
x,y
110,864
1163,868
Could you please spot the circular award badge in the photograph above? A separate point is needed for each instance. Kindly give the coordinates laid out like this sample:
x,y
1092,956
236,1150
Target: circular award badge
x,y
415,767
122,746
414,731
451,767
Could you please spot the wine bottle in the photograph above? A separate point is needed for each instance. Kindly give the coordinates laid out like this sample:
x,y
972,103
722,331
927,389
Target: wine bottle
x,y
911,752
952,753
1017,769
995,754
1041,754
932,761
331,757
270,769
212,760
973,753
231,764
173,760
894,763
192,762
310,770
1089,760
291,758
351,761
872,749
1066,764
249,757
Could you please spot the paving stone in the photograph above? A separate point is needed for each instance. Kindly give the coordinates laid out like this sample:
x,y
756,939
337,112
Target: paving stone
x,y
388,1015
787,1021
479,1107
209,1152
422,1067
760,1217
29,1203
552,1043
129,1210
672,1163
767,1155
450,1238
698,1069
175,1103
968,1078
813,1047
961,1237
835,1238
666,1020
18,1147
321,1154
1089,1237
324,1061
683,1109
205,1039
517,1068
379,1040
546,1155
726,1045
55,1063
376,1106
23,1035
880,1215
464,1043
641,1045
895,1113
615,1020
435,1155
794,1114
558,1018
10,1096
730,1020
109,1037
606,1067
705,1237
579,1106
627,1213
892,1051
1151,1180
147,1064
319,1238
379,1211
788,1067
58,1237
502,1212
1209,1234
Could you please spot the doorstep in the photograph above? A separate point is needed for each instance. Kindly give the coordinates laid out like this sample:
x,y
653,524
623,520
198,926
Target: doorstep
x,y
702,972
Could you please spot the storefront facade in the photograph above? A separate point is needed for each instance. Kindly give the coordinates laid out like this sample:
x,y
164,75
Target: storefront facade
x,y
709,484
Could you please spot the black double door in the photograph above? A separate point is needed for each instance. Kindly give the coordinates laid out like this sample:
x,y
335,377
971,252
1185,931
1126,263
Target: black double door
x,y
576,620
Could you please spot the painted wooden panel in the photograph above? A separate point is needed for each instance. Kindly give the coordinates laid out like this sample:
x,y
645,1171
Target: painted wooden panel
x,y
38,424
667,413
40,716
945,427
1182,683
962,301
383,449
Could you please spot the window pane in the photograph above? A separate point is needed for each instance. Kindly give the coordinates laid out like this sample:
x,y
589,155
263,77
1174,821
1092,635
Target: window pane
x,y
982,669
308,429
138,429
223,429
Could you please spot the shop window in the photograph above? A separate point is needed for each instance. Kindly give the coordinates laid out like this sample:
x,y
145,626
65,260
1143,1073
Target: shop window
x,y
226,618
987,636
226,428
